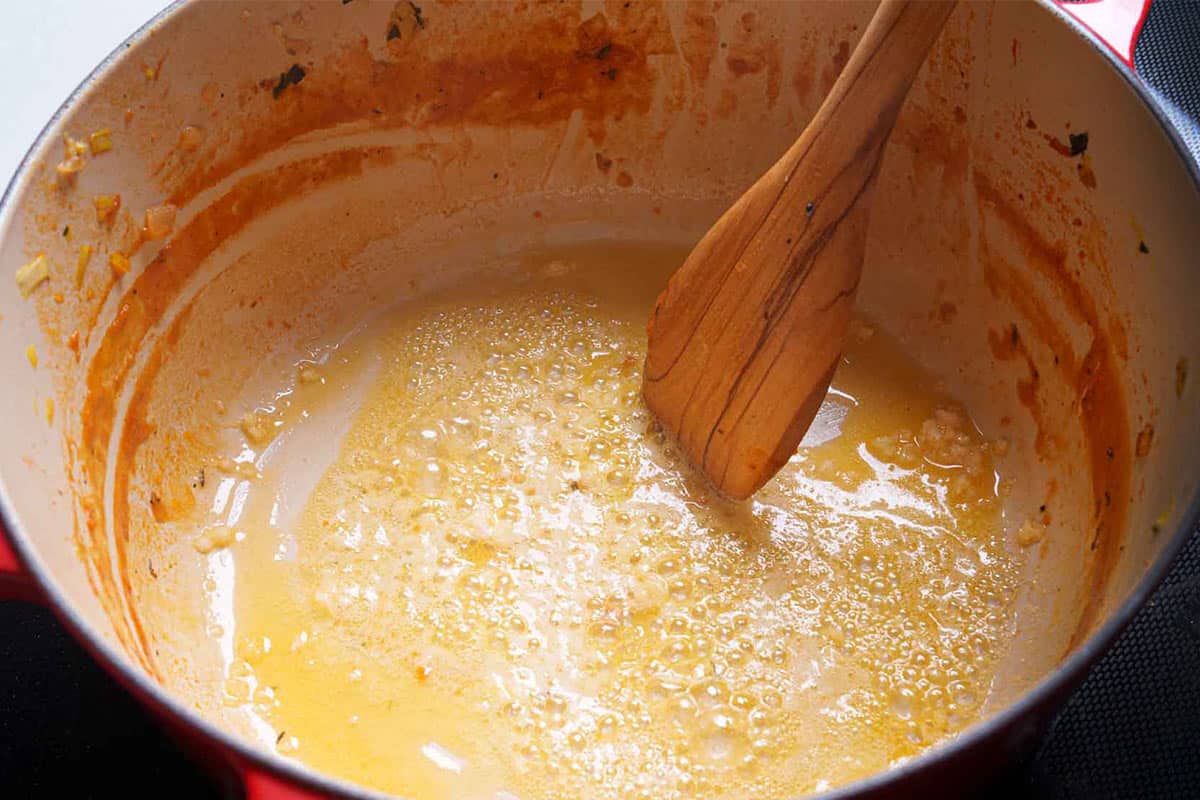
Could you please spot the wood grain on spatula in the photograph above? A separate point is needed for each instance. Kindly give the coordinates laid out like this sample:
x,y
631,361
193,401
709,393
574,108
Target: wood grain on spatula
x,y
748,332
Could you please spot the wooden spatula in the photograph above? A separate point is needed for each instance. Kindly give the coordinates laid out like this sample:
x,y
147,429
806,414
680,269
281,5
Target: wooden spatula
x,y
746,336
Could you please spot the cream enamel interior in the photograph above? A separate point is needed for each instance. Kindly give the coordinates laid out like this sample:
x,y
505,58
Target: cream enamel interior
x,y
341,249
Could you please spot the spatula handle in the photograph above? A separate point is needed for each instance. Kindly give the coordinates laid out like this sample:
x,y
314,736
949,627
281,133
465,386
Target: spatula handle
x,y
746,336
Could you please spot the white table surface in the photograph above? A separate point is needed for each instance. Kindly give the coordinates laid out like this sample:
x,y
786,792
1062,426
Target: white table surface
x,y
46,48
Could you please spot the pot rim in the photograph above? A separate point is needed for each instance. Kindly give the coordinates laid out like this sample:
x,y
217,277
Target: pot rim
x,y
1069,673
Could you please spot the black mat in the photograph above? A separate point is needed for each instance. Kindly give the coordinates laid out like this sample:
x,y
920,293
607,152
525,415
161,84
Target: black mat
x,y
1131,731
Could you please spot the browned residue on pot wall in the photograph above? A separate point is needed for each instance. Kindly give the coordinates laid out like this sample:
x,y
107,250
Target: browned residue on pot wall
x,y
1095,374
558,64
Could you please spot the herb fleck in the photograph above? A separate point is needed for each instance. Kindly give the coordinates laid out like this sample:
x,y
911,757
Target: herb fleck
x,y
290,78
1079,143
282,734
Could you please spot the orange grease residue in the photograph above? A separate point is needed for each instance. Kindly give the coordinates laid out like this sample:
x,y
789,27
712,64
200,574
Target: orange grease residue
x,y
699,45
1099,392
934,146
1058,145
747,64
558,65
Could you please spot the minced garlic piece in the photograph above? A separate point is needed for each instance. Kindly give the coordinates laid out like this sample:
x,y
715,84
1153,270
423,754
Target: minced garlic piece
x,y
190,138
215,538
257,428
31,354
85,255
100,141
69,167
119,263
160,221
241,469
107,206
1031,532
31,275
73,147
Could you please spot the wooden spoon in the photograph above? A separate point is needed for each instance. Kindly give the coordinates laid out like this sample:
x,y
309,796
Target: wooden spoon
x,y
745,338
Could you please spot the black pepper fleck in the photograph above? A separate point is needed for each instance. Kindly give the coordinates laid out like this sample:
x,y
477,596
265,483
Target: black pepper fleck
x,y
809,208
611,74
393,32
1108,451
416,9
1142,248
603,52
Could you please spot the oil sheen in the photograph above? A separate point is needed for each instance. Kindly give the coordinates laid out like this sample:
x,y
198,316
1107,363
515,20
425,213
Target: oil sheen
x,y
501,582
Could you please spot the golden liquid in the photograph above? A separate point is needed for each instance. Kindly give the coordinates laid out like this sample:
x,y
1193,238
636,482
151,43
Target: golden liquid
x,y
506,585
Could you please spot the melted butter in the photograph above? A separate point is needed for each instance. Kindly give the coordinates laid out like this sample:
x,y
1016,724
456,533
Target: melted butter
x,y
471,566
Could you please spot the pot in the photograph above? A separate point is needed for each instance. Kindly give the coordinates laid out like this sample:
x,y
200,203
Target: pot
x,y
1030,244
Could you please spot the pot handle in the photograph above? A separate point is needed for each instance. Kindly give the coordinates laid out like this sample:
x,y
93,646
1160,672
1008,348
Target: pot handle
x,y
15,583
1116,23
260,785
